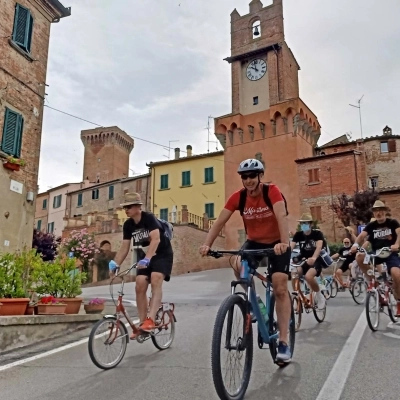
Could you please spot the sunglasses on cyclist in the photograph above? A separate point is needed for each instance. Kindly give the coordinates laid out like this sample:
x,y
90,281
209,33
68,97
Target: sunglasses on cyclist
x,y
251,175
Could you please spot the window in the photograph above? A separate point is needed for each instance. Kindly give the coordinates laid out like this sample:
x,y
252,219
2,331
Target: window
x,y
384,147
313,175
186,178
392,145
373,182
80,200
316,213
164,182
50,227
12,133
57,201
44,204
255,100
95,194
256,29
210,210
23,25
209,175
138,186
39,225
110,192
164,213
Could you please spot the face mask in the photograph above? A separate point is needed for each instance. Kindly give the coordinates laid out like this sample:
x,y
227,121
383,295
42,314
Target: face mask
x,y
305,227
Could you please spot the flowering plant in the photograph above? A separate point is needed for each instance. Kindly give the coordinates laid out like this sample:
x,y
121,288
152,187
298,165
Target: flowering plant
x,y
49,300
96,301
82,245
14,160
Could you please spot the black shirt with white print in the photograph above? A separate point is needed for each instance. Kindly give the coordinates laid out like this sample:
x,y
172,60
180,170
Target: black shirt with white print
x,y
307,243
140,233
382,235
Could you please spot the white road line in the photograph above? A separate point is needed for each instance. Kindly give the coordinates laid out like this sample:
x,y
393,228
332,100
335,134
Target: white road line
x,y
50,352
337,378
133,302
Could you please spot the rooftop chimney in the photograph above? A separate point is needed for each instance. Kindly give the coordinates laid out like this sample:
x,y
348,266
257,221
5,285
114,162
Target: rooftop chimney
x,y
189,150
177,153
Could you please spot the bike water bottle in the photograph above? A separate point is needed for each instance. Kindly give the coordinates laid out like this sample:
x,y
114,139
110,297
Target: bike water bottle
x,y
262,308
326,258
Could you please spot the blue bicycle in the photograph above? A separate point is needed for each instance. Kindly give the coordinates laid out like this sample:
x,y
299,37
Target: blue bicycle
x,y
232,340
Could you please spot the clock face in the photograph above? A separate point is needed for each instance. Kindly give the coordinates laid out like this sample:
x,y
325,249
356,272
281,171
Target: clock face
x,y
256,69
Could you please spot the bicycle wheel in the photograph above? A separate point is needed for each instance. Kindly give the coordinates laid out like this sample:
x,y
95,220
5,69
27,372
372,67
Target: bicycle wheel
x,y
358,291
372,309
333,288
319,314
392,307
107,343
298,311
232,342
273,329
164,333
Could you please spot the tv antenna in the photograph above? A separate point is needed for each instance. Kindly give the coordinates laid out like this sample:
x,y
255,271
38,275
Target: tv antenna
x,y
349,135
359,110
169,148
208,135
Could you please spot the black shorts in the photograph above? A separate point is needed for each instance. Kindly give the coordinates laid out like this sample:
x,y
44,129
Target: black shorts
x,y
277,263
393,261
159,263
317,266
346,263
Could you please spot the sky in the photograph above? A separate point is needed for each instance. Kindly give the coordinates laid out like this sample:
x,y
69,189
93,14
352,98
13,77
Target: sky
x,y
155,69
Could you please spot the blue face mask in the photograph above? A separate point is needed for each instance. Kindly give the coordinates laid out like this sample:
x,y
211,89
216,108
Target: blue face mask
x,y
305,227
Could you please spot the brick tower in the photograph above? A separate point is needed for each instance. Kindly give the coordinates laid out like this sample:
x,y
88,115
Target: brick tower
x,y
106,154
268,121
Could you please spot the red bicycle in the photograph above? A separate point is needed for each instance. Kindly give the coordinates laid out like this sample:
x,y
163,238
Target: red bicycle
x,y
109,336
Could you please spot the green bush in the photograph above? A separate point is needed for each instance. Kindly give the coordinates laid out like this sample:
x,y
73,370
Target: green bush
x,y
334,247
12,283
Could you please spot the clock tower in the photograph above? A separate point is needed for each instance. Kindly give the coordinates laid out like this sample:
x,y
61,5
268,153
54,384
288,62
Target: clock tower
x,y
268,121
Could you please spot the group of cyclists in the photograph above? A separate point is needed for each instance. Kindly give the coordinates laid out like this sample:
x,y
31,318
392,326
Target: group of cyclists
x,y
264,213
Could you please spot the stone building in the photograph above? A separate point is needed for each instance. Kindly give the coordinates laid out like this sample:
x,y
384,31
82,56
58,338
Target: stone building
x,y
24,43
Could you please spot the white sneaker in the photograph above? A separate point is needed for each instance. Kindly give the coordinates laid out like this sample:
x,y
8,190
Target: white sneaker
x,y
320,301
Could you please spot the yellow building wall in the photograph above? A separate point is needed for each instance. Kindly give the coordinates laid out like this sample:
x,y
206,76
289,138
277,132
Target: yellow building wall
x,y
198,193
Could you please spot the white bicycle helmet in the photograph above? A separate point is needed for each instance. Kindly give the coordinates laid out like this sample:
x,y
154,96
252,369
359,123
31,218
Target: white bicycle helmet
x,y
250,165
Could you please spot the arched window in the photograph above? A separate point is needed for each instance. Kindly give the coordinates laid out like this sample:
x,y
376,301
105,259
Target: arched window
x,y
256,29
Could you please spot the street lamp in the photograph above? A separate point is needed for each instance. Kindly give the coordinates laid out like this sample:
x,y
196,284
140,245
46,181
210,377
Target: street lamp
x,y
359,110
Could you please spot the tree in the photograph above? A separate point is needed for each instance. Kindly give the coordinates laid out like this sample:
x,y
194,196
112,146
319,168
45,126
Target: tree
x,y
45,244
355,209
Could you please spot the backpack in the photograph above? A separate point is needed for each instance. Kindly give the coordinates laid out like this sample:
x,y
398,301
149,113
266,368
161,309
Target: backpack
x,y
167,227
265,190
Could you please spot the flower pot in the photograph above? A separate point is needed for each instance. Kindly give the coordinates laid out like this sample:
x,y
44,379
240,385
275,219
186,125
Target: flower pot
x,y
93,308
8,165
51,309
14,306
30,310
73,304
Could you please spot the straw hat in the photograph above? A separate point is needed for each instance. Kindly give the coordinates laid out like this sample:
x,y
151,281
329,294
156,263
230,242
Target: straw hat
x,y
379,204
305,218
131,198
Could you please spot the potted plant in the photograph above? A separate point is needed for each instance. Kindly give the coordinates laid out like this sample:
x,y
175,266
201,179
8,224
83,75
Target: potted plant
x,y
50,305
13,163
95,306
12,285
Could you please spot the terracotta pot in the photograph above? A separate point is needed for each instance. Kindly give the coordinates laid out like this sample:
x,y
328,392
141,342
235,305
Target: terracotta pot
x,y
93,308
8,165
73,305
30,310
14,306
51,308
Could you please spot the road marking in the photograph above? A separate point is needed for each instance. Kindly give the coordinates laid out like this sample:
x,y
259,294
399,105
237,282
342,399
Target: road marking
x,y
337,378
133,302
51,352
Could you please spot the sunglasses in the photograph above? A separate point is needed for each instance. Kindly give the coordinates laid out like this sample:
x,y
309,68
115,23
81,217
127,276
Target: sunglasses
x,y
346,242
252,175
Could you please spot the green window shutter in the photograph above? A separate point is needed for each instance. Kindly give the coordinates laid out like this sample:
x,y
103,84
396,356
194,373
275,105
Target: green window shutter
x,y
12,133
110,192
210,210
55,202
23,28
80,196
186,178
209,175
164,214
164,182
44,205
39,225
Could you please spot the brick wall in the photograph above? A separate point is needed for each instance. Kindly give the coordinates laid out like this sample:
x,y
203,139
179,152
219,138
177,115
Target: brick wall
x,y
22,87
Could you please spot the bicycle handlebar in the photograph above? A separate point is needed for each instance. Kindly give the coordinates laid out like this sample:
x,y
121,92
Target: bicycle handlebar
x,y
220,253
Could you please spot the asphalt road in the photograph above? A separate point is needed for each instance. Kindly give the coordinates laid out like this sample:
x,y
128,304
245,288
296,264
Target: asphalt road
x,y
338,359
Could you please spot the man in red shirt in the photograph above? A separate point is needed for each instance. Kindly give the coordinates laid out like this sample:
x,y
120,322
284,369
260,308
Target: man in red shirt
x,y
266,228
